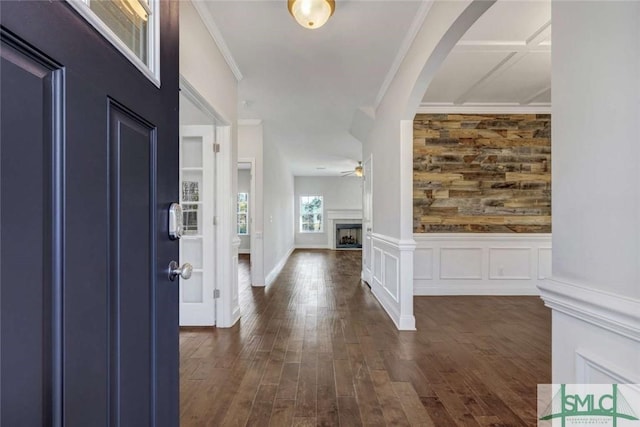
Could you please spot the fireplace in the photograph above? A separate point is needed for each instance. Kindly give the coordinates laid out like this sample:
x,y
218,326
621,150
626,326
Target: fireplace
x,y
348,236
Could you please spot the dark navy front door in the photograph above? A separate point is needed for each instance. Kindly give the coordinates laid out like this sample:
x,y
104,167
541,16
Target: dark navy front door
x,y
88,167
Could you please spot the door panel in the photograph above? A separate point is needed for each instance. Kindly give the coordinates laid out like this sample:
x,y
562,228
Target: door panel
x,y
26,258
88,233
132,282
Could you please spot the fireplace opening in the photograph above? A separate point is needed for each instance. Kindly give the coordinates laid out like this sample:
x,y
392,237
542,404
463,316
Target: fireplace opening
x,y
348,236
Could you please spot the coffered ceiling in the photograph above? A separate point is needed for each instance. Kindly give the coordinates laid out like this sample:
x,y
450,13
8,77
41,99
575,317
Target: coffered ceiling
x,y
504,60
306,85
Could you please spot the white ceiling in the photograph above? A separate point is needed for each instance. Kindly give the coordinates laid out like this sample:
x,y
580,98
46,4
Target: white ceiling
x,y
504,59
306,85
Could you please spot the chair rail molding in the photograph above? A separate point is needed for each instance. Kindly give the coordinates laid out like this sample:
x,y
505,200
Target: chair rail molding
x,y
615,313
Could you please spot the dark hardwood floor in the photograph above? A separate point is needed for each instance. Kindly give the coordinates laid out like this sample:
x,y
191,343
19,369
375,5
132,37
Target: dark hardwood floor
x,y
316,348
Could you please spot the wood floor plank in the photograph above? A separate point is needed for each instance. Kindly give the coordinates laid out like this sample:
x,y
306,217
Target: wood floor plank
x,y
243,400
348,411
288,385
327,400
413,408
262,406
344,378
282,413
370,411
316,348
304,422
389,402
272,372
306,395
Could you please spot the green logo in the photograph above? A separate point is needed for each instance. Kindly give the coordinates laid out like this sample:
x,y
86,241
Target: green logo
x,y
593,407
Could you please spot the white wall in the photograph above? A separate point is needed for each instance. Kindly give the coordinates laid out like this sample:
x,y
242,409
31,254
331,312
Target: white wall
x,y
250,147
337,193
595,285
206,70
278,211
244,186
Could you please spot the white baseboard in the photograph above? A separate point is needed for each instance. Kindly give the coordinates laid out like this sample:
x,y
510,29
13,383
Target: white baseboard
x,y
244,251
235,316
278,267
504,289
306,246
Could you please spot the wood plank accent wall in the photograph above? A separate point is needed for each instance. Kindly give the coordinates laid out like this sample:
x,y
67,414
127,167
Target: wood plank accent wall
x,y
488,173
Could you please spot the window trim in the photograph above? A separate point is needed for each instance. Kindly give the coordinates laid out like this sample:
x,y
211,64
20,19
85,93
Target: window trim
x,y
151,71
300,230
242,213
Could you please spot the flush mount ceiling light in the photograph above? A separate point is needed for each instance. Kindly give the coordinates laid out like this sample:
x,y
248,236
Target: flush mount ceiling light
x,y
311,14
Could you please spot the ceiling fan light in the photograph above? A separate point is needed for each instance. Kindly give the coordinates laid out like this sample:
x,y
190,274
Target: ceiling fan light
x,y
311,14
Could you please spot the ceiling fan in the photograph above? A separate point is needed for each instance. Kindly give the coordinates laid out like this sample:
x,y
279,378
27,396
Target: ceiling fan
x,y
357,171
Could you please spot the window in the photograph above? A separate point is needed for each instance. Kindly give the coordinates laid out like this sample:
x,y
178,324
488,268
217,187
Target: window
x,y
130,25
243,214
311,214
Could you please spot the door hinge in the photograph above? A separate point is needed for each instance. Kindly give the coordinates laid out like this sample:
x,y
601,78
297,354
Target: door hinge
x,y
216,148
215,220
216,293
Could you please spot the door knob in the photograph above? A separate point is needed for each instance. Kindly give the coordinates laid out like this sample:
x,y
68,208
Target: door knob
x,y
175,270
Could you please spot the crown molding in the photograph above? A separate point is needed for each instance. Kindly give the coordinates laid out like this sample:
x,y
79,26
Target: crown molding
x,y
415,26
483,108
216,35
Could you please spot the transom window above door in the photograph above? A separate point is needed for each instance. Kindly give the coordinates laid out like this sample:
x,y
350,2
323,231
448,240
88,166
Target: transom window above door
x,y
131,26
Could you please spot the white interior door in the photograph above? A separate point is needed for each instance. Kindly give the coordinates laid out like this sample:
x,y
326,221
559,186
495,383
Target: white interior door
x,y
367,220
197,245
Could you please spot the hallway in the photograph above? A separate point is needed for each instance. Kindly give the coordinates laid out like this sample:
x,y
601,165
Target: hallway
x,y
315,348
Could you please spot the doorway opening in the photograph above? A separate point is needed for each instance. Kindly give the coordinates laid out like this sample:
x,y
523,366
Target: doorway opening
x,y
245,212
198,201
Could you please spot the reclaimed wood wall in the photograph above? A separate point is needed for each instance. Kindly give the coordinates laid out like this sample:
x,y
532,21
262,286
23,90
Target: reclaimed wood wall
x,y
487,173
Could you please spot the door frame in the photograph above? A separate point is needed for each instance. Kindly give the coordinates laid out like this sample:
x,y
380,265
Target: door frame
x,y
367,273
226,251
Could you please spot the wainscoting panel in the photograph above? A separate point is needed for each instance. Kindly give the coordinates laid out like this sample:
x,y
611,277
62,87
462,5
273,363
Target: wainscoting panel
x,y
461,263
480,264
544,263
594,369
424,269
377,266
392,278
510,263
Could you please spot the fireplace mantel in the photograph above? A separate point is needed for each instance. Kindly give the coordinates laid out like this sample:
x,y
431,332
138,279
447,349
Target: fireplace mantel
x,y
340,216
333,214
